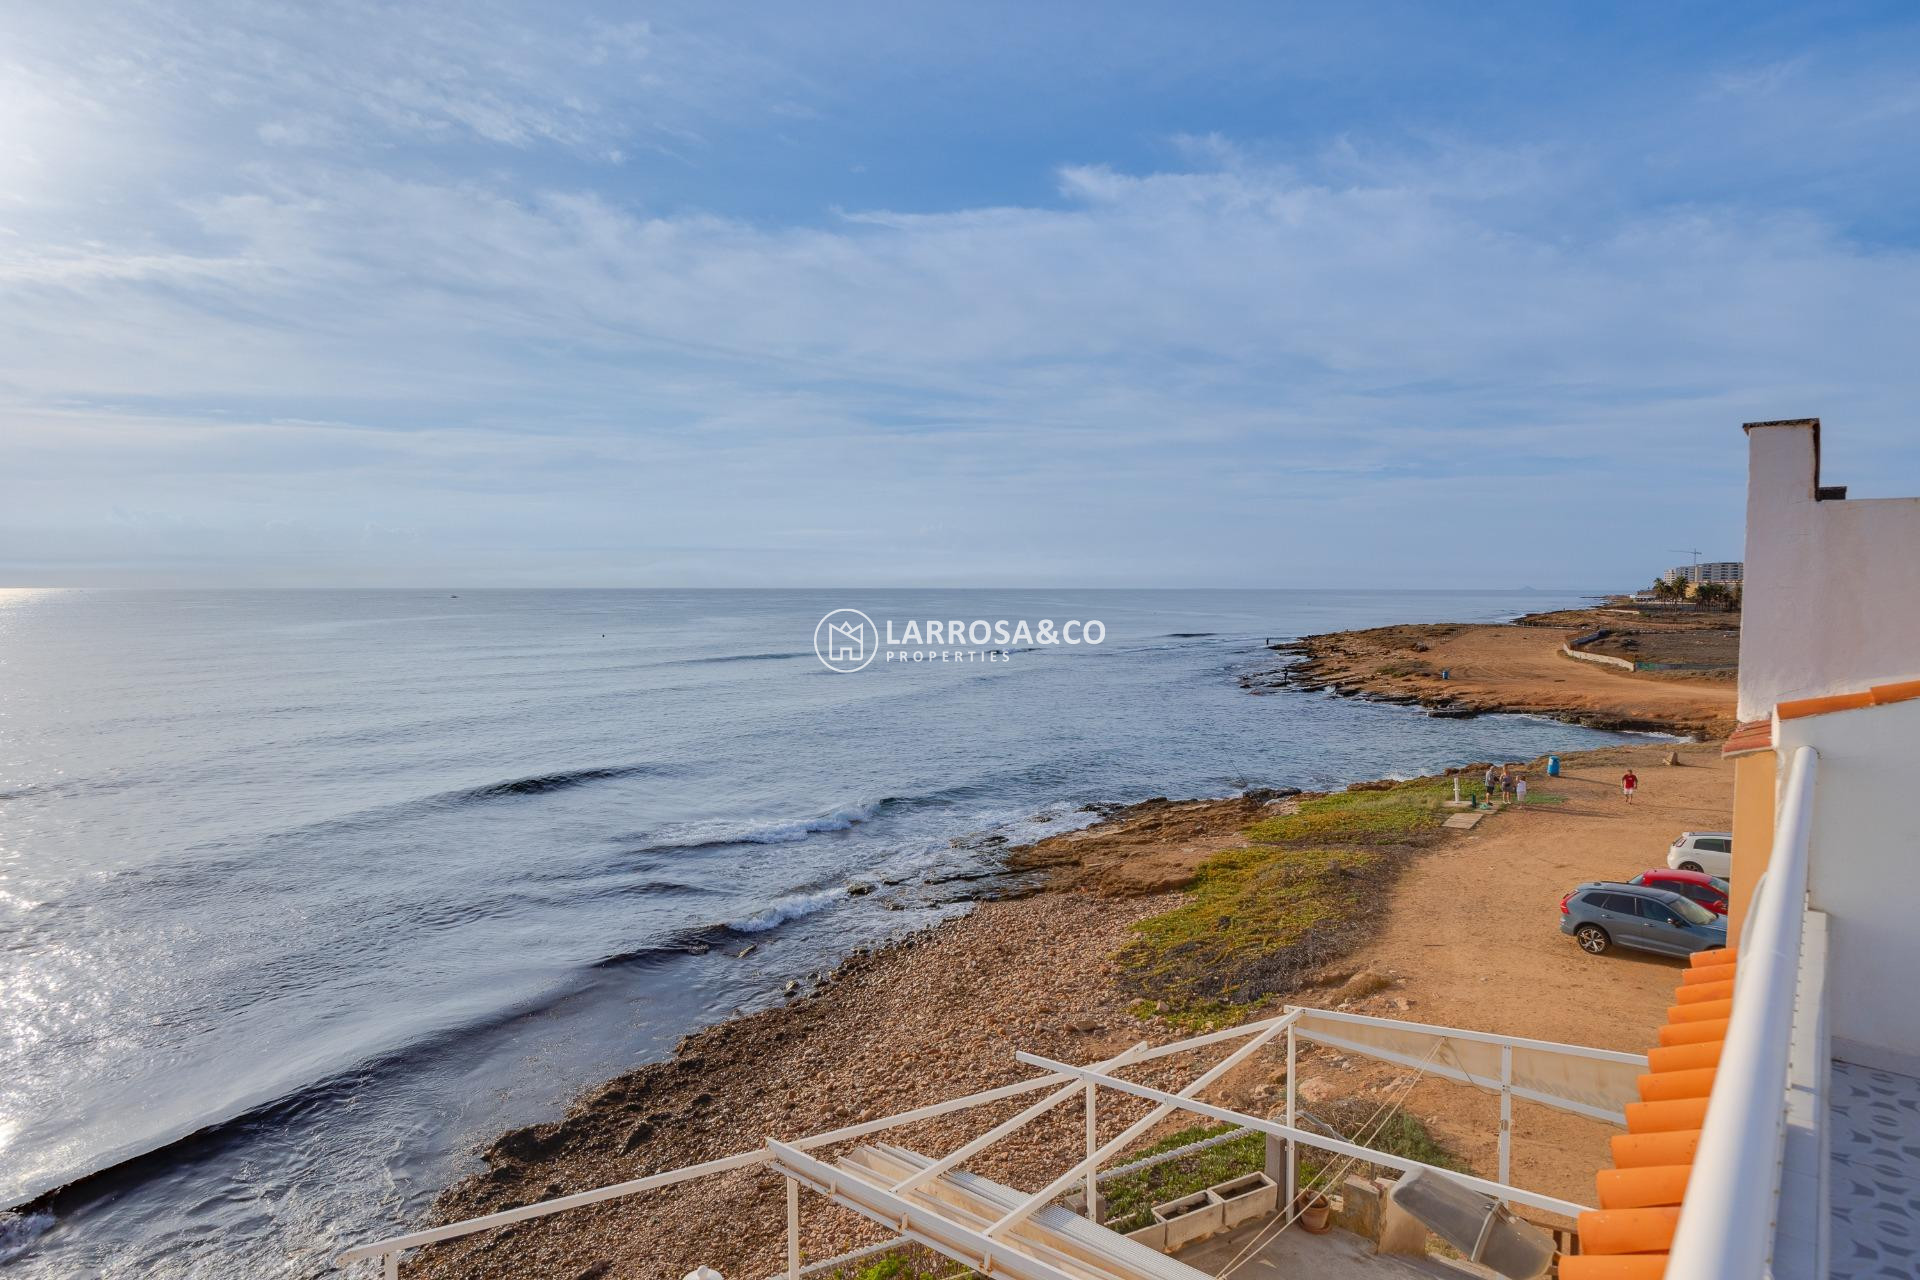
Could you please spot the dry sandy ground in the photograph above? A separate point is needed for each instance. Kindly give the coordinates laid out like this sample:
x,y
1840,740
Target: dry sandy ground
x,y
1473,931
1509,668
1469,937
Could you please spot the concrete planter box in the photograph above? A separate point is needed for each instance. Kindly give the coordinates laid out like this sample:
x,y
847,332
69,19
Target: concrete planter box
x,y
1153,1236
1246,1198
1190,1218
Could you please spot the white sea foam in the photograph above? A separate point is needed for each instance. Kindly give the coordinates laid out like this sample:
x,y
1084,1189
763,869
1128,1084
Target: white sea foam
x,y
792,907
801,828
18,1231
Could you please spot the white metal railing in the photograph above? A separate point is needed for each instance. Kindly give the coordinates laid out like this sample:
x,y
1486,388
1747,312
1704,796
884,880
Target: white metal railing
x,y
1183,1102
387,1253
1067,1083
1727,1218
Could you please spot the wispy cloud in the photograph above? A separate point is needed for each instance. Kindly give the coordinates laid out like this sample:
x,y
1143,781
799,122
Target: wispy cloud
x,y
419,324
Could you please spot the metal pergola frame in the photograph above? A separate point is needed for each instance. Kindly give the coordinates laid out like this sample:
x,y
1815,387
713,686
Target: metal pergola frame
x,y
906,1208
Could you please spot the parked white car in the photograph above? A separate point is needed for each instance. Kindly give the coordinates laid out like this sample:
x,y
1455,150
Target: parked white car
x,y
1708,851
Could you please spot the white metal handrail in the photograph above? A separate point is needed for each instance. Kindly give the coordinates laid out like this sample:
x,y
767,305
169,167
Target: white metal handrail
x,y
388,1251
1183,1102
1727,1218
1065,1081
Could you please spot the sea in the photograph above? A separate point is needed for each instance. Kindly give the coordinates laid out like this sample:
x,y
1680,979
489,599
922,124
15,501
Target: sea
x,y
305,895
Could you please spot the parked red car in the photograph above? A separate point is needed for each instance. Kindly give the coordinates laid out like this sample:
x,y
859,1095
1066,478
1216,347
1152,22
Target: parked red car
x,y
1709,891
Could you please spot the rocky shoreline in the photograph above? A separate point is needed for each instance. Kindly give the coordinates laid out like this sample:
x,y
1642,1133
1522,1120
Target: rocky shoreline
x,y
1451,671
934,1015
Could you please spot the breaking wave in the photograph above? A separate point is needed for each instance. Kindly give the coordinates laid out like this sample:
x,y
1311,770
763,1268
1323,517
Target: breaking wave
x,y
793,907
789,831
541,784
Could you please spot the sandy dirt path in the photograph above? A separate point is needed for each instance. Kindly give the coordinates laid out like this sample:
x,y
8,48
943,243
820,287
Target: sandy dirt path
x,y
1472,934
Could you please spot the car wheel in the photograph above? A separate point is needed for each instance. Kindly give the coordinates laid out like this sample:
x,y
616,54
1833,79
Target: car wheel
x,y
1691,866
1592,939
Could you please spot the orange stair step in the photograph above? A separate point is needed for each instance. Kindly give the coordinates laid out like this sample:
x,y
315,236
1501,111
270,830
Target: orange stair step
x,y
1709,959
1628,1230
1702,992
1622,1266
1705,1011
1669,1086
1700,977
1643,1188
1686,1057
1664,1117
1651,1150
1694,1033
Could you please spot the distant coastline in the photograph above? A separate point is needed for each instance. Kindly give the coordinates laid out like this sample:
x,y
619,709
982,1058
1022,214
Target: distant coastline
x,y
1469,669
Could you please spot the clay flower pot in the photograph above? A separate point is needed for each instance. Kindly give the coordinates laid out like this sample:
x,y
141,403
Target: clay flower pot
x,y
1315,1209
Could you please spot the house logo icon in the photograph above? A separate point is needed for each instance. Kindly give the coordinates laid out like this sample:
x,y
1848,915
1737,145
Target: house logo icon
x,y
846,640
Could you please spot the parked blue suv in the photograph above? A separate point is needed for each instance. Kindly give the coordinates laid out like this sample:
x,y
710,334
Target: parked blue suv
x,y
1601,915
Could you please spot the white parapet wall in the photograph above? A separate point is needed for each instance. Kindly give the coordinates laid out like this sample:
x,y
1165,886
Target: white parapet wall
x,y
1861,870
1604,659
1832,595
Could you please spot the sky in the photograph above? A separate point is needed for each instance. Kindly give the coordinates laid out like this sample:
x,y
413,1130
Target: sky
x,y
1266,295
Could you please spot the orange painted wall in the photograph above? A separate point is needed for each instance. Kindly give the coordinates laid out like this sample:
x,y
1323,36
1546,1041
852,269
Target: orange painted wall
x,y
1754,777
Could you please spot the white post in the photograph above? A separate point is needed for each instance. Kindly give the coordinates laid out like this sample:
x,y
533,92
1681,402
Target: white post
x,y
793,1229
1093,1145
1506,1112
1292,1189
393,1266
1456,788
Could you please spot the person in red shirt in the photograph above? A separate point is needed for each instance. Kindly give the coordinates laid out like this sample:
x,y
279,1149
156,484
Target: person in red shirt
x,y
1628,784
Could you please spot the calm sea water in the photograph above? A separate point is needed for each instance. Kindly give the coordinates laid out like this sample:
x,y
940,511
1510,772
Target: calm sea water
x,y
305,895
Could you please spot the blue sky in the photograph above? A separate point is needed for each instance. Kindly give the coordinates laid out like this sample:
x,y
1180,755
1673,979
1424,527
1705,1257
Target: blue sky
x,y
1100,295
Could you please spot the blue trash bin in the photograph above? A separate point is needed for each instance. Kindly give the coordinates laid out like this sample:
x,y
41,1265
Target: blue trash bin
x,y
1553,766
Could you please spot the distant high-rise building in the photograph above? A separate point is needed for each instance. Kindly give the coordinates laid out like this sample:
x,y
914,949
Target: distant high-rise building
x,y
1727,571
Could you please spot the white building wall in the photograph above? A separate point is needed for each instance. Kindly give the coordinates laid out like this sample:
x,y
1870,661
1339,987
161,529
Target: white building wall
x,y
1831,601
1862,865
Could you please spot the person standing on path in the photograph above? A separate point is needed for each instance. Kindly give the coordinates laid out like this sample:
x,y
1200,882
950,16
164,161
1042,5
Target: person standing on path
x,y
1629,783
1493,780
1520,789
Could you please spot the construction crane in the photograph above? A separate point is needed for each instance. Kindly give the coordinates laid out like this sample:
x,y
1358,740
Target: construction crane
x,y
1684,551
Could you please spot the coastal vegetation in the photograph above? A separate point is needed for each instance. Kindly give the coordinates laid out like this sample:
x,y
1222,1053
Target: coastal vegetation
x,y
1258,919
1131,1197
1371,813
909,1262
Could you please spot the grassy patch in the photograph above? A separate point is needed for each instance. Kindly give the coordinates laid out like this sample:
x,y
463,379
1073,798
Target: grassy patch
x,y
1400,1134
1256,920
1130,1199
1400,813
909,1262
